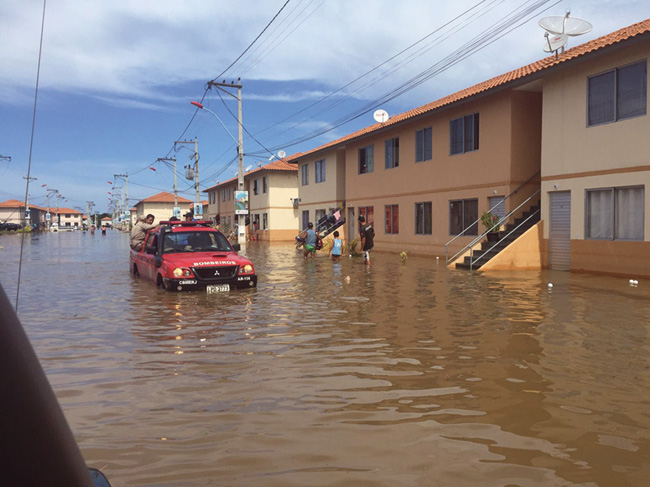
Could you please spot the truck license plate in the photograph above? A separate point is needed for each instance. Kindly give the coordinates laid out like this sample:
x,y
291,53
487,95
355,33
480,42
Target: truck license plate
x,y
217,288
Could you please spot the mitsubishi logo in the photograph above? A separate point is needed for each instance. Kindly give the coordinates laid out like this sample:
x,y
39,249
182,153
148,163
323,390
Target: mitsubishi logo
x,y
216,272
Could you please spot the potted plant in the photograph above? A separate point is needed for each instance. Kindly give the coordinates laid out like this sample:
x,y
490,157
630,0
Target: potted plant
x,y
491,223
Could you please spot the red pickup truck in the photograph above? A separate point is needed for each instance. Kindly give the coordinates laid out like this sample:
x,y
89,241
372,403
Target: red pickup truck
x,y
184,256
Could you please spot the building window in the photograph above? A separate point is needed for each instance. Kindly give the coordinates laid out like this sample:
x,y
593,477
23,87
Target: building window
x,y
255,186
391,224
424,145
366,160
617,94
305,219
463,134
305,174
265,221
223,195
615,213
423,218
463,215
320,171
392,153
368,212
318,216
229,194
265,188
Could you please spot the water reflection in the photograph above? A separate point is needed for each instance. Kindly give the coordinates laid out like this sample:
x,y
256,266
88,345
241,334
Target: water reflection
x,y
339,374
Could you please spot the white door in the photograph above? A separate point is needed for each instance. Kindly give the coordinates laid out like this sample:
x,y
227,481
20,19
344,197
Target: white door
x,y
560,231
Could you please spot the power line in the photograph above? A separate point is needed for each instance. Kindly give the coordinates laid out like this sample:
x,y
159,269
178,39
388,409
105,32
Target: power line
x,y
255,40
479,42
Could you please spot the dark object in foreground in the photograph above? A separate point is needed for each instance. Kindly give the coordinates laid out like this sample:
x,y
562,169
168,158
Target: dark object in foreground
x,y
39,446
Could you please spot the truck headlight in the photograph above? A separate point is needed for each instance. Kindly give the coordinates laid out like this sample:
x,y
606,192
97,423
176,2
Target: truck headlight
x,y
182,272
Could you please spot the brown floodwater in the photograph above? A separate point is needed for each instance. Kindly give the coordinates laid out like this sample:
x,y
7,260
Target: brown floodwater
x,y
400,374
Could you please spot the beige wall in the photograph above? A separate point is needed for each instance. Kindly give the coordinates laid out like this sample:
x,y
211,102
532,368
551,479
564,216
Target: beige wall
x,y
11,215
161,211
576,157
325,195
328,192
69,219
277,203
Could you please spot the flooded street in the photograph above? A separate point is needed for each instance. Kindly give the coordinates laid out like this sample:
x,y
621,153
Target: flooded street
x,y
405,374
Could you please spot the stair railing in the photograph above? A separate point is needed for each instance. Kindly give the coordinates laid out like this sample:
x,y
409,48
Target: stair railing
x,y
514,192
471,251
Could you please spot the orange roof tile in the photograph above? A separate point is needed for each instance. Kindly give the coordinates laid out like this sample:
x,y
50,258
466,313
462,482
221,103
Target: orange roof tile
x,y
515,76
164,197
66,210
19,204
12,204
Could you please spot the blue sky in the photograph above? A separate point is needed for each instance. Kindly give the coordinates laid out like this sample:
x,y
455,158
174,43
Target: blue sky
x,y
117,78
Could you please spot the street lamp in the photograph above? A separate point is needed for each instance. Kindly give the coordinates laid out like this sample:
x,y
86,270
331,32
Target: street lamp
x,y
241,219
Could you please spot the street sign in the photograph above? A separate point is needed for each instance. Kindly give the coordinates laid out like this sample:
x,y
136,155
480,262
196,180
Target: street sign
x,y
241,202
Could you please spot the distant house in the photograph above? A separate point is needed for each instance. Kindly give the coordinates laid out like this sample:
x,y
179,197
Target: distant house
x,y
272,200
161,206
68,217
13,211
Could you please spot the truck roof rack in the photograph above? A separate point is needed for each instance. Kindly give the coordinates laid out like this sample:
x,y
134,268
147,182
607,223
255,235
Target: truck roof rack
x,y
197,223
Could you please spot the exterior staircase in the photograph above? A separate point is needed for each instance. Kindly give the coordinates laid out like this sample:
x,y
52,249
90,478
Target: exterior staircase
x,y
511,232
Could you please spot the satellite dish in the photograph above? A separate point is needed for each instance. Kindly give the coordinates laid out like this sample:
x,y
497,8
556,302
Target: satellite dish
x,y
555,42
561,29
282,154
380,116
248,168
565,25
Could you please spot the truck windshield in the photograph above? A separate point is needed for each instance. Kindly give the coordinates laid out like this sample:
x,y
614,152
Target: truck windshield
x,y
195,242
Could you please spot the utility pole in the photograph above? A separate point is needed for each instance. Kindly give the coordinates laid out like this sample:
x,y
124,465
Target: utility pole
x,y
241,219
196,169
125,177
89,207
167,159
196,165
25,215
48,217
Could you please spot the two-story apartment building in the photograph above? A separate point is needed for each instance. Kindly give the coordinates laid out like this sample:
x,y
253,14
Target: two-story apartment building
x,y
272,194
68,217
565,131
